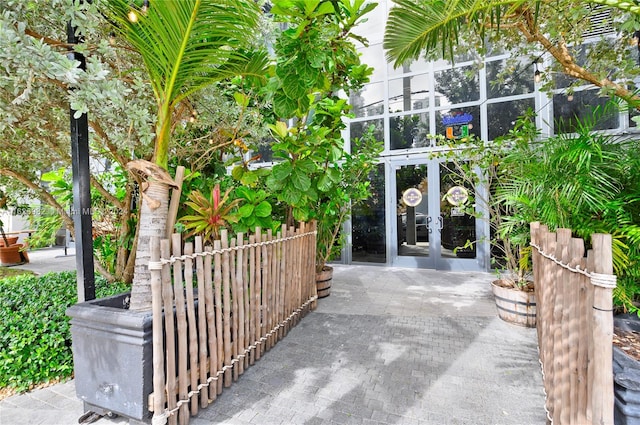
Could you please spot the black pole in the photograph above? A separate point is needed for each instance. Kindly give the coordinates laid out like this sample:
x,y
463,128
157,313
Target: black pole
x,y
81,211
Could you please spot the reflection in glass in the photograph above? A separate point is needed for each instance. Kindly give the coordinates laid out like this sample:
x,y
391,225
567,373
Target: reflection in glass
x,y
508,78
409,131
458,122
375,58
358,129
458,233
409,66
585,105
457,85
412,221
502,116
409,93
369,101
368,225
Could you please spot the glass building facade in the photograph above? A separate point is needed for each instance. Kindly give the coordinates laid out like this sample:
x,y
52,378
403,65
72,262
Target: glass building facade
x,y
414,217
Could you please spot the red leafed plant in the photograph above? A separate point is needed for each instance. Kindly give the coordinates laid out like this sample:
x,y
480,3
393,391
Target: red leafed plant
x,y
209,214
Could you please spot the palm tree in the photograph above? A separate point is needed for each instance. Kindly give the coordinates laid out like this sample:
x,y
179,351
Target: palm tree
x,y
417,27
186,45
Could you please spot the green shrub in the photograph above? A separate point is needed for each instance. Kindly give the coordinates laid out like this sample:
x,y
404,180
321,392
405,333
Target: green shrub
x,y
35,338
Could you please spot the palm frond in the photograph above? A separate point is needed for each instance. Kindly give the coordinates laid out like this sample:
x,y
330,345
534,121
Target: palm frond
x,y
187,43
418,26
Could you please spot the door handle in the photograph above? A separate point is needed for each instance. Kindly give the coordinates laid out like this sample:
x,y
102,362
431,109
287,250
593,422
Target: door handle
x,y
440,223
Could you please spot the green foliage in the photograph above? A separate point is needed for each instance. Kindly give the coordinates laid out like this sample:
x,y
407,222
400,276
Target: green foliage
x,y
211,214
561,30
585,181
312,176
35,340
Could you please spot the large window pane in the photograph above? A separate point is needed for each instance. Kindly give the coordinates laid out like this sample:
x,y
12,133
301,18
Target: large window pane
x,y
508,78
409,131
368,225
374,57
584,105
409,93
369,101
458,122
358,129
456,85
502,116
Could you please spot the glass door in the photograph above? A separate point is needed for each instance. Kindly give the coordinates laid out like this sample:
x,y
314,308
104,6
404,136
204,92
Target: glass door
x,y
433,224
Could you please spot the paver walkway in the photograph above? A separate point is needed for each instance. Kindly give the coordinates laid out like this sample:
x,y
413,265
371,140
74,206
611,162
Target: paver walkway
x,y
389,346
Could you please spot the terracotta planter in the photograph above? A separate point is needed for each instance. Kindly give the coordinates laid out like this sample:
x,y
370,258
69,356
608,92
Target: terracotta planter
x,y
11,255
323,282
515,306
12,240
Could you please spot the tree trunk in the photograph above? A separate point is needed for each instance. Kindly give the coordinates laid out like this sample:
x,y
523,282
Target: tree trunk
x,y
153,219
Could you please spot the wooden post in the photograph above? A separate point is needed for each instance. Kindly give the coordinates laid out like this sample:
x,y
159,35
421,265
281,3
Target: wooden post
x,y
252,299
217,291
240,303
603,281
202,324
257,296
234,310
193,329
226,308
158,341
211,323
576,251
174,204
170,355
181,319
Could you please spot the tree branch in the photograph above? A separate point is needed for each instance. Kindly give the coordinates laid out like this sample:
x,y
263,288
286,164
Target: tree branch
x,y
43,194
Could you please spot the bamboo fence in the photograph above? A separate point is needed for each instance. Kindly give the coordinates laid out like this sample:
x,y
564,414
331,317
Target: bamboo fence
x,y
216,310
574,324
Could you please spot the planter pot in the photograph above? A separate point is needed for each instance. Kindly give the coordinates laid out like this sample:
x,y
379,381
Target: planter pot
x,y
113,357
323,282
626,379
11,239
12,255
515,306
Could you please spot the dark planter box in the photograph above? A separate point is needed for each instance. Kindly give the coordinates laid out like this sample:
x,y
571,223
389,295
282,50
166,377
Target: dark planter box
x,y
626,378
112,356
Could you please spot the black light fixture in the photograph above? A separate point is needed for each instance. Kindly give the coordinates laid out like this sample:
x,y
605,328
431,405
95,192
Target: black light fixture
x,y
537,75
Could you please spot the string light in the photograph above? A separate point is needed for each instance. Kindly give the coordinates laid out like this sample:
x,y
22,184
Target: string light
x,y
112,38
570,98
145,6
132,16
537,75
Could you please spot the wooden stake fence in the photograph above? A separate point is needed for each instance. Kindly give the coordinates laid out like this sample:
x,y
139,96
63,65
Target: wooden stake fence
x,y
248,294
574,324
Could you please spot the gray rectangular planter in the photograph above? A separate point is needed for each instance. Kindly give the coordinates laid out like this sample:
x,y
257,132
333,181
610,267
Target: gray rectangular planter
x,y
112,356
626,378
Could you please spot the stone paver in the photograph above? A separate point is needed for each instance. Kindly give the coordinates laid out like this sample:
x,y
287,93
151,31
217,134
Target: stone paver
x,y
389,346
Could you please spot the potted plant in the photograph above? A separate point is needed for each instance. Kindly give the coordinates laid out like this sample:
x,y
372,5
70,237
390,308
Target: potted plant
x,y
11,252
315,177
483,166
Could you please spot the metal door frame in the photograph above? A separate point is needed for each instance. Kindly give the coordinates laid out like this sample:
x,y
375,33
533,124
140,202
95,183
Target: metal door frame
x,y
435,259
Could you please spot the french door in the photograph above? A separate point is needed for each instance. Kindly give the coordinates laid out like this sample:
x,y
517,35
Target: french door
x,y
431,227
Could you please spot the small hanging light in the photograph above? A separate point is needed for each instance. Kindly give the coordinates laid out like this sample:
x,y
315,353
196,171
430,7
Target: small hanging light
x,y
132,16
537,75
570,97
145,6
112,38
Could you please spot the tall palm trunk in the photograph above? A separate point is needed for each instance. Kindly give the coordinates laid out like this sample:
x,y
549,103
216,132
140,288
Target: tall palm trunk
x,y
153,218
